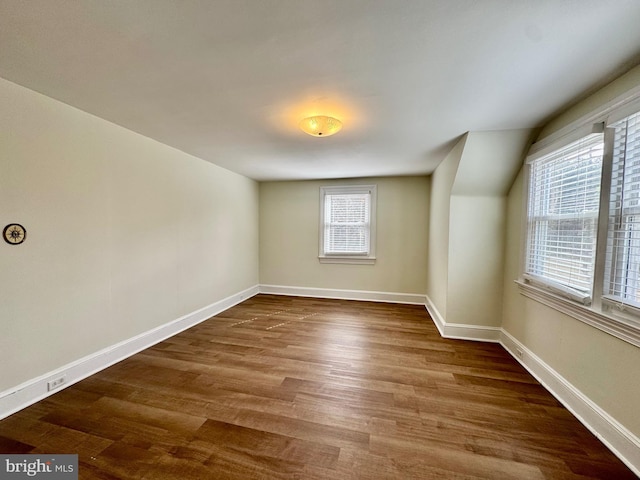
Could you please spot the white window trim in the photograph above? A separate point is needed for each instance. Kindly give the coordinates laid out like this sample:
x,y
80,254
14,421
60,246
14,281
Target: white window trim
x,y
369,259
605,314
591,133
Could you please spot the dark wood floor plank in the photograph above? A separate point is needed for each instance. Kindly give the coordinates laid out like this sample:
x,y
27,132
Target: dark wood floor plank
x,y
309,389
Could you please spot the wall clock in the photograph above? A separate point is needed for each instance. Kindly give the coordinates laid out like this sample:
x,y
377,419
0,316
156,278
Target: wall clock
x,y
14,234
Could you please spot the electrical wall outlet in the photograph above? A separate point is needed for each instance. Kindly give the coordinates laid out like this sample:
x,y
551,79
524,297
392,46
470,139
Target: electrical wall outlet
x,y
519,353
56,382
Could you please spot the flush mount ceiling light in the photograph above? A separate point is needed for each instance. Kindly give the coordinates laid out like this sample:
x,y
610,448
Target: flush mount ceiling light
x,y
320,126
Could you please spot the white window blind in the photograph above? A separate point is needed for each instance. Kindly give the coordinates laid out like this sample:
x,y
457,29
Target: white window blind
x,y
564,193
347,223
622,279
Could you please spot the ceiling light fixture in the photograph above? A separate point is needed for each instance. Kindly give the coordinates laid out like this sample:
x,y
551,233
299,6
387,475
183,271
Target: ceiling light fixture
x,y
320,126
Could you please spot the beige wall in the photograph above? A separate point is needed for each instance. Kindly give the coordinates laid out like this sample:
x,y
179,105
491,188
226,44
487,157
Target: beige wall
x,y
439,213
476,246
601,366
467,226
289,223
124,234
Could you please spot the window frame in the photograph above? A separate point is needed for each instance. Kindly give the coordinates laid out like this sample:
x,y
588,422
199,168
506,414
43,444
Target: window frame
x,y
603,313
368,258
570,147
619,215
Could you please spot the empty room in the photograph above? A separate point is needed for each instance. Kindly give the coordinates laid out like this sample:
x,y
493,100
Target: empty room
x,y
292,239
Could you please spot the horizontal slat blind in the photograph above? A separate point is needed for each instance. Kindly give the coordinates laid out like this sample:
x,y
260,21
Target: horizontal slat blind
x,y
346,224
623,245
564,192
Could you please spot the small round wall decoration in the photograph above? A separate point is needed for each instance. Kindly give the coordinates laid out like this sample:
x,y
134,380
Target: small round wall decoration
x,y
14,234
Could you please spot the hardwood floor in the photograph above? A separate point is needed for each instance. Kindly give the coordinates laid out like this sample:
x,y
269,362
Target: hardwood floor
x,y
299,388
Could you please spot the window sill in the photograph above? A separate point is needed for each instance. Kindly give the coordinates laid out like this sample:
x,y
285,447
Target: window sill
x,y
348,259
607,322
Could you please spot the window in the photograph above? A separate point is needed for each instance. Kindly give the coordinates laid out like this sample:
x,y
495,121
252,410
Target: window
x,y
564,198
347,224
622,278
582,252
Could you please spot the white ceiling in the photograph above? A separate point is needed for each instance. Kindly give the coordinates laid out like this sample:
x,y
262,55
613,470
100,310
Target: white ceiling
x,y
228,80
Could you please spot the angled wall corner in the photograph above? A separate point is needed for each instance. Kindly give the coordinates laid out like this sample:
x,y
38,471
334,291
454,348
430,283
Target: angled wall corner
x,y
442,181
467,230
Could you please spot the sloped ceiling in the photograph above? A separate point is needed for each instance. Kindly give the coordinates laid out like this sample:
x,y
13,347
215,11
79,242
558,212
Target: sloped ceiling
x,y
490,162
229,80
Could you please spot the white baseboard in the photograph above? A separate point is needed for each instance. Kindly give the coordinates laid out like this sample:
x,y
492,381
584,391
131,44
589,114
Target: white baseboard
x,y
363,295
33,390
461,331
624,444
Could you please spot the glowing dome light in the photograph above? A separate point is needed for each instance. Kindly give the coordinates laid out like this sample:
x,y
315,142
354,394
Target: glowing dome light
x,y
321,126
